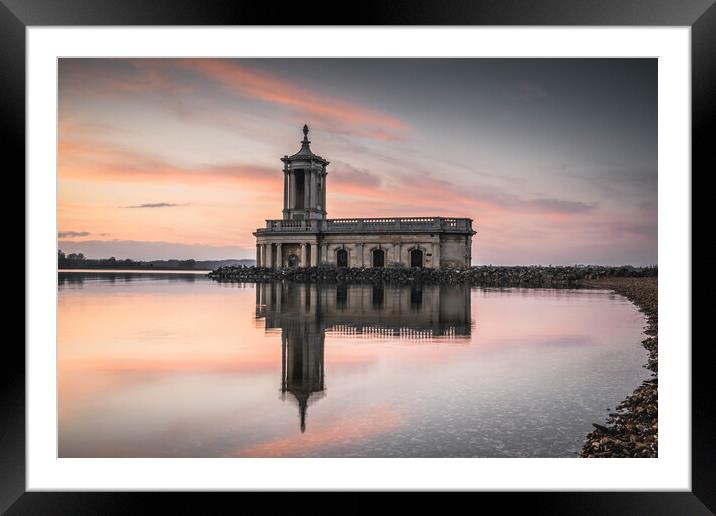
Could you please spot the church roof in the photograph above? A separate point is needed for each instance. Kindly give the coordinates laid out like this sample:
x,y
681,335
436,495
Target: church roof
x,y
305,153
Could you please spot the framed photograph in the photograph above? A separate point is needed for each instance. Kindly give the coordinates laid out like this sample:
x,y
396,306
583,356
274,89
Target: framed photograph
x,y
422,252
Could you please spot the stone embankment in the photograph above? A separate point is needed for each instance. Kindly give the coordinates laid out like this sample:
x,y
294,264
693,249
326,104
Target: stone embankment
x,y
632,430
487,275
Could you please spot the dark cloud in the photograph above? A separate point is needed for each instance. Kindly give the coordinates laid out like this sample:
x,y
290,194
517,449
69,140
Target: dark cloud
x,y
559,205
647,205
344,173
529,91
451,194
73,234
635,229
157,205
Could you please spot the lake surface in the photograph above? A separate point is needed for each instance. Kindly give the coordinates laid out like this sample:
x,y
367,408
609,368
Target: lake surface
x,y
178,365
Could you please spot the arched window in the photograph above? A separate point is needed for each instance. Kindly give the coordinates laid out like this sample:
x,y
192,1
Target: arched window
x,y
342,258
416,258
378,258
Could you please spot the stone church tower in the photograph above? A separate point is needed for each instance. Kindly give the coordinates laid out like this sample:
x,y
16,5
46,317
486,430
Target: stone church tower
x,y
305,237
304,183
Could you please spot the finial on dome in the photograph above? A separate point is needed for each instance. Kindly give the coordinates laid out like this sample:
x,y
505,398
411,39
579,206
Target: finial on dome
x,y
305,142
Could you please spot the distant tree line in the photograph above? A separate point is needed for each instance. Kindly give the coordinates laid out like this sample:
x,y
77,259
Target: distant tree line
x,y
79,261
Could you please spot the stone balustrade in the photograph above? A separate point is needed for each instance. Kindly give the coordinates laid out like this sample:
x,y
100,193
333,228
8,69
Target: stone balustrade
x,y
368,225
293,226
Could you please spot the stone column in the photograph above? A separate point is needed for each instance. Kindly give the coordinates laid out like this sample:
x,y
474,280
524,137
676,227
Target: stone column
x,y
285,190
306,188
303,255
312,189
291,191
268,255
319,189
436,255
324,253
279,256
399,252
323,192
314,255
258,255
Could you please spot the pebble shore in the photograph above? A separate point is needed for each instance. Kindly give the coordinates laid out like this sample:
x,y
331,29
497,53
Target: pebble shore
x,y
632,430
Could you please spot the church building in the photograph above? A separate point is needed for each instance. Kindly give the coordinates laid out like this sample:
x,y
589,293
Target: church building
x,y
305,237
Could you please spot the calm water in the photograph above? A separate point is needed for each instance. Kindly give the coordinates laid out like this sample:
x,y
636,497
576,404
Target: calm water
x,y
172,365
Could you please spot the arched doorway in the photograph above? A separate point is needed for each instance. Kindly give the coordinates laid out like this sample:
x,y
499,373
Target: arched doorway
x,y
378,258
342,258
416,258
292,260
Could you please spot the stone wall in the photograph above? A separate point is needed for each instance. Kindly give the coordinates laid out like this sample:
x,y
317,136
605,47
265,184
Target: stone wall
x,y
454,251
438,249
488,275
396,247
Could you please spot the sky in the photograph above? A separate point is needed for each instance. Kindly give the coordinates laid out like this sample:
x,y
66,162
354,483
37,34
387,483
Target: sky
x,y
555,160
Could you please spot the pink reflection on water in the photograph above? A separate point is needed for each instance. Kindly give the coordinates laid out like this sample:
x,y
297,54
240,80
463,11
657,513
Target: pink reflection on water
x,y
340,432
160,368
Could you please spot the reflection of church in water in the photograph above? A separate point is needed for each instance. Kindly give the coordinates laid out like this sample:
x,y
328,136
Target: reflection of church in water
x,y
304,312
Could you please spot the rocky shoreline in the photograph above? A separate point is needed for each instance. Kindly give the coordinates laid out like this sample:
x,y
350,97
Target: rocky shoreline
x,y
632,430
486,275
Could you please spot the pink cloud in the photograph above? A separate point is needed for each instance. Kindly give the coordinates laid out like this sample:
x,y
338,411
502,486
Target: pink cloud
x,y
418,191
325,110
178,76
82,76
99,161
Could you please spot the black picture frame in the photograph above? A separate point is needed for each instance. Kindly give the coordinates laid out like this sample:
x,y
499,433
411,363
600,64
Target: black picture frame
x,y
17,15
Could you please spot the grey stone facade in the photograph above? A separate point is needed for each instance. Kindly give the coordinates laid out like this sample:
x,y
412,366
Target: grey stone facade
x,y
305,237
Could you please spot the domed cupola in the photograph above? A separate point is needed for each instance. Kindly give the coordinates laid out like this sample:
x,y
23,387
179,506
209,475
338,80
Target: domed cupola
x,y
304,183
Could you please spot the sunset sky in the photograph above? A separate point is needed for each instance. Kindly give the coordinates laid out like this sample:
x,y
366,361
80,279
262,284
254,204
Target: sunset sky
x,y
555,160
